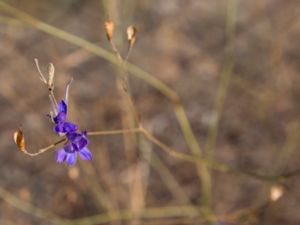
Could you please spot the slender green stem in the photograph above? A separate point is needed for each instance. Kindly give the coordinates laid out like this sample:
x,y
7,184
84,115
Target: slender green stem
x,y
224,83
225,79
150,213
193,145
29,208
184,211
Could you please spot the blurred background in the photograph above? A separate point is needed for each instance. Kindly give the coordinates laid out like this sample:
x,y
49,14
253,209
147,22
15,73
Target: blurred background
x,y
235,66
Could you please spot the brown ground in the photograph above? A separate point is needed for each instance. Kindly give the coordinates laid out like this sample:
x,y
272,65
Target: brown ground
x,y
184,44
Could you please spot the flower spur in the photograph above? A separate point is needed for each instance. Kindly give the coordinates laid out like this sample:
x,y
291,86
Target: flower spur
x,y
62,125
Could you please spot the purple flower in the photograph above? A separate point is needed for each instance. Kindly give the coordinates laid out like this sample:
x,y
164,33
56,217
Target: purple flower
x,y
77,144
62,125
61,114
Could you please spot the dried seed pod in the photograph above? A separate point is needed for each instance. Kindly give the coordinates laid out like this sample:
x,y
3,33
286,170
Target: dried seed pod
x,y
109,29
51,71
19,139
276,192
131,35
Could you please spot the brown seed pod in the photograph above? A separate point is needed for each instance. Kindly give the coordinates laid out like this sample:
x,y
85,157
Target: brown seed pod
x,y
109,29
131,35
51,71
19,139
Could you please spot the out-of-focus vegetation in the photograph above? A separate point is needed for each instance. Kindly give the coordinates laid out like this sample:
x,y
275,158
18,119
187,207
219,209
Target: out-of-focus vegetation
x,y
230,67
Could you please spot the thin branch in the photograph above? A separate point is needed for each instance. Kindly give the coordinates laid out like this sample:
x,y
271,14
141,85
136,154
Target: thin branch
x,y
155,161
115,50
114,132
92,133
209,163
43,150
178,154
124,79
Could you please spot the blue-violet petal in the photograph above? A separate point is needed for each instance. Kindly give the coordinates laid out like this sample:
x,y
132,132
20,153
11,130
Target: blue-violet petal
x,y
69,127
71,158
62,107
85,154
60,117
60,155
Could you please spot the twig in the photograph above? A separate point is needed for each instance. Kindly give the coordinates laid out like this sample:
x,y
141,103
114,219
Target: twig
x,y
114,132
137,188
209,163
166,175
178,154
40,151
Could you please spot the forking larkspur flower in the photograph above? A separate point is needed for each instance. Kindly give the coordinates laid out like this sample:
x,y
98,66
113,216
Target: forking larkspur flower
x,y
76,142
